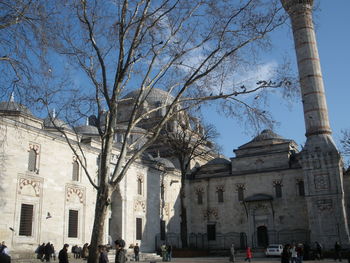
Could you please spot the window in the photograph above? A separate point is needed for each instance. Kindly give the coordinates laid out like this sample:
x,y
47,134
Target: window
x,y
162,230
139,186
220,195
278,189
301,188
138,228
73,223
211,232
200,198
75,173
240,191
26,221
32,160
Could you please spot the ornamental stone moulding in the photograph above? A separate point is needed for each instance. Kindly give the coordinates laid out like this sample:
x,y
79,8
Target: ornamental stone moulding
x,y
27,181
75,190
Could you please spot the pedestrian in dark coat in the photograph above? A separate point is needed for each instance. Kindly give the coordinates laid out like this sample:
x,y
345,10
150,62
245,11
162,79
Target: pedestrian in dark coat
x,y
137,252
337,251
120,253
41,251
103,254
47,252
63,255
285,256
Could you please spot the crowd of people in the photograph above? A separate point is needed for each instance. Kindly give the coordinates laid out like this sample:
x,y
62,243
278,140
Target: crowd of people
x,y
166,252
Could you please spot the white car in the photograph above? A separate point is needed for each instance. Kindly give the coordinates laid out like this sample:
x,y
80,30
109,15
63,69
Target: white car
x,y
274,250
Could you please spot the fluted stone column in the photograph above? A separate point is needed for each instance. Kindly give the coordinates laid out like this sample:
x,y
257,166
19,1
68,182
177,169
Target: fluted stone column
x,y
320,159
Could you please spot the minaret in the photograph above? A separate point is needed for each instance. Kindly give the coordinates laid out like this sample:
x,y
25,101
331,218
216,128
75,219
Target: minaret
x,y
320,159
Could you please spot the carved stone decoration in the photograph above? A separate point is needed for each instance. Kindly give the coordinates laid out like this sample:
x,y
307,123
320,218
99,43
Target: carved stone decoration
x,y
35,184
277,182
75,190
199,190
324,204
34,147
321,182
207,213
220,188
139,206
140,177
166,209
240,186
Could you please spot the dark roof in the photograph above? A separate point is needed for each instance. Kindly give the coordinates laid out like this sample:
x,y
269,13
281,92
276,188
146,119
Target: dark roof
x,y
87,129
14,106
258,197
267,135
167,163
154,96
48,123
218,161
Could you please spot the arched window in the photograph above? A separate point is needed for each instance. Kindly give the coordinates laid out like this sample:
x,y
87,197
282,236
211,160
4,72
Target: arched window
x,y
278,189
200,197
301,188
139,186
240,192
220,195
75,173
32,160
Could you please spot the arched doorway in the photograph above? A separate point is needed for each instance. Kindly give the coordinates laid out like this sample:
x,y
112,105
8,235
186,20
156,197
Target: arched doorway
x,y
263,238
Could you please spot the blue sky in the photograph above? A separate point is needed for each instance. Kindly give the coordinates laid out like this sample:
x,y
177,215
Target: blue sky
x,y
332,22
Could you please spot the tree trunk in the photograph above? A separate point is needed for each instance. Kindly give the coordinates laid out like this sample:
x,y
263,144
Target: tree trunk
x,y
101,208
183,214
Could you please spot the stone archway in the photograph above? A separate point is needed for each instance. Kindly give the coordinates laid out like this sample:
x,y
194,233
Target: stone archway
x,y
262,236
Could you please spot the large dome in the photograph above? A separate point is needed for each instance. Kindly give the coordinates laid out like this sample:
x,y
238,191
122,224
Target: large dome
x,y
267,135
153,97
13,106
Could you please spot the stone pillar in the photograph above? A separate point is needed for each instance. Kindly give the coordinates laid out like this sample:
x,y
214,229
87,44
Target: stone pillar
x,y
320,159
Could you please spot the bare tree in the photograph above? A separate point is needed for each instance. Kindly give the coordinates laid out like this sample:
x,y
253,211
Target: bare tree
x,y
345,143
189,49
23,43
189,141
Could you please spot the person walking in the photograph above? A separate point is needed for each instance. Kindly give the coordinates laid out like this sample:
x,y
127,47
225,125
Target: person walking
x,y
63,255
318,251
163,250
285,256
47,252
294,254
232,253
169,252
103,254
4,253
137,252
249,254
120,253
337,251
85,253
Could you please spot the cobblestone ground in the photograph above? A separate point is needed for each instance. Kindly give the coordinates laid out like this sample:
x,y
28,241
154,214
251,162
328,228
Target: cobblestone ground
x,y
217,259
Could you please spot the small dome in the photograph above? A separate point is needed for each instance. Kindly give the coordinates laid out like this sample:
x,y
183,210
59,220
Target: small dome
x,y
267,135
13,106
218,161
167,163
153,97
87,130
58,123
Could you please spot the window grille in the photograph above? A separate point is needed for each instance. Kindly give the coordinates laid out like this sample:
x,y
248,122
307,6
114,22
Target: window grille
x,y
138,228
75,175
26,221
73,223
278,189
32,160
211,232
